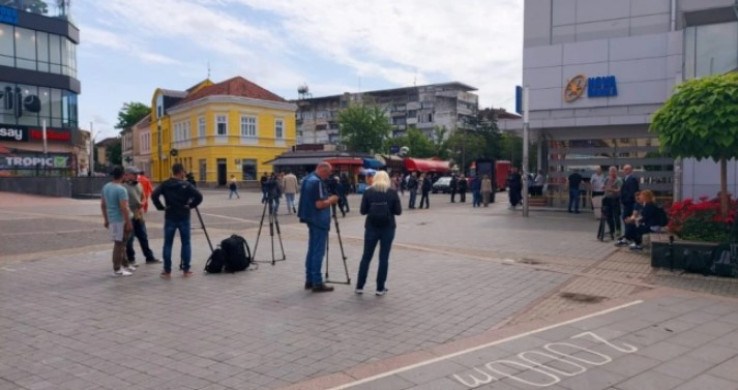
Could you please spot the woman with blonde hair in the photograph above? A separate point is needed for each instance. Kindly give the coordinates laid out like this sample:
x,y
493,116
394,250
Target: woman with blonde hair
x,y
380,203
648,218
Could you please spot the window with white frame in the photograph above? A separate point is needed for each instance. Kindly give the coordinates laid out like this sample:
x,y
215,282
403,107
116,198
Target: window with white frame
x,y
201,127
221,125
248,126
145,142
278,128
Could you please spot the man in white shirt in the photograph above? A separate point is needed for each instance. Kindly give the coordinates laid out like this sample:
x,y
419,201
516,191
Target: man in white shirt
x,y
597,183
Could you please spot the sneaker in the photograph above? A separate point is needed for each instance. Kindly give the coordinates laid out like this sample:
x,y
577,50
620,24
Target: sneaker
x,y
121,272
152,261
130,268
621,242
165,275
308,285
318,288
132,264
359,291
187,273
635,247
381,292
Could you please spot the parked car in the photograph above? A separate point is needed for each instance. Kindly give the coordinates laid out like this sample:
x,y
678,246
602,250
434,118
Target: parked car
x,y
442,185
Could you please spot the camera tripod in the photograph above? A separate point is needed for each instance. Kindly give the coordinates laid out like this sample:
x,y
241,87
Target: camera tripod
x,y
273,225
343,254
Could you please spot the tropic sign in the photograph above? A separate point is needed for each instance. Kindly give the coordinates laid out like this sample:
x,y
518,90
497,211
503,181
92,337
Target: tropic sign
x,y
604,86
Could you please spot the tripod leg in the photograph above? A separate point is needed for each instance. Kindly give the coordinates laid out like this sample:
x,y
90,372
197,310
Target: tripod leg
x,y
271,234
279,237
340,244
327,257
202,224
258,234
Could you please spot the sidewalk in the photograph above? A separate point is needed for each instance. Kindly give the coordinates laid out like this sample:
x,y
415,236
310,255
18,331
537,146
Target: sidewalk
x,y
460,278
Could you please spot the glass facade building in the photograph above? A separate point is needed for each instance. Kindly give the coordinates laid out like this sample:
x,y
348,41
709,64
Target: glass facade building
x,y
38,87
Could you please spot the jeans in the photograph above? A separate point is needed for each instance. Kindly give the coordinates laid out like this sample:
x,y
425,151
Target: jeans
x,y
275,205
574,199
476,198
413,195
170,228
290,201
139,232
316,250
462,196
372,236
424,200
232,192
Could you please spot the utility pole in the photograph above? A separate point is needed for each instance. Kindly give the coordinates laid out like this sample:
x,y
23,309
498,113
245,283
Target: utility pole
x,y
92,152
526,130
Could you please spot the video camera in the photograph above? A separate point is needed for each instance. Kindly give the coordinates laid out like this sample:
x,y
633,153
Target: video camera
x,y
191,178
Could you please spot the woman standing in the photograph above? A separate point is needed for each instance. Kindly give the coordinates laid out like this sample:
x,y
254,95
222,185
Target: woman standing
x,y
486,190
380,204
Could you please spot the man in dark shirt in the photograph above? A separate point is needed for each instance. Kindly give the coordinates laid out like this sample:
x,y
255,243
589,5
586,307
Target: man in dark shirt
x,y
628,191
575,179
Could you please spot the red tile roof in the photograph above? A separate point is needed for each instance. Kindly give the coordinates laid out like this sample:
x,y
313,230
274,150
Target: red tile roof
x,y
237,86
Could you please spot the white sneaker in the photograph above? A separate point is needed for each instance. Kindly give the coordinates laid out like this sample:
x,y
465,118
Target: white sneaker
x,y
381,292
130,268
359,291
121,272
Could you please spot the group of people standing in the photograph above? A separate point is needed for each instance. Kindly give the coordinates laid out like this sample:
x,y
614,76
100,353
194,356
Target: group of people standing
x,y
617,196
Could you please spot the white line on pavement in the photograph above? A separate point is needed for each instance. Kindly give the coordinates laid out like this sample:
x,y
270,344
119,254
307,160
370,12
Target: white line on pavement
x,y
478,347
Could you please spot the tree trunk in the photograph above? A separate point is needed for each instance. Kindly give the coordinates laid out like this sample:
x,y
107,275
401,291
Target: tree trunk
x,y
724,187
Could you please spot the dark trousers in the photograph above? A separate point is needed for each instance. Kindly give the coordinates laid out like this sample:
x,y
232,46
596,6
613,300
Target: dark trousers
x,y
462,196
574,199
411,203
453,196
635,233
372,236
611,210
139,232
424,198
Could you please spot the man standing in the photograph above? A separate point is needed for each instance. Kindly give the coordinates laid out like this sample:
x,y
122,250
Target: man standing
x,y
290,188
597,184
135,204
628,191
412,188
114,206
462,184
486,190
180,196
425,188
476,190
315,203
575,179
453,185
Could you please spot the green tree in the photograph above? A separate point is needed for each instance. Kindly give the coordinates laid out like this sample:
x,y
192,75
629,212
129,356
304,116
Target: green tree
x,y
363,128
131,113
700,120
113,153
420,146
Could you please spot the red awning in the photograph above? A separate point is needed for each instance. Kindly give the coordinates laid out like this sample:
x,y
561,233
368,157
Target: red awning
x,y
435,166
345,161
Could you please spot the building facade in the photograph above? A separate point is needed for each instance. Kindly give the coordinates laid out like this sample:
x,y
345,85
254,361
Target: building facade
x,y
426,107
597,70
38,90
218,130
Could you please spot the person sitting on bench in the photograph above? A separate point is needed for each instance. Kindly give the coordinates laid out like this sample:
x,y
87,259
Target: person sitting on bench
x,y
638,225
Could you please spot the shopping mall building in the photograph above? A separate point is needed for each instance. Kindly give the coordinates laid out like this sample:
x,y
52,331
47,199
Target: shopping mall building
x,y
39,133
598,69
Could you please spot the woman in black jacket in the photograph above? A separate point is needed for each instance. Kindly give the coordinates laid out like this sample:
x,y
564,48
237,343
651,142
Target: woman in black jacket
x,y
380,204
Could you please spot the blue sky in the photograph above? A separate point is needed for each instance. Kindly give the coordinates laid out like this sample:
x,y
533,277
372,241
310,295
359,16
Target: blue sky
x,y
131,47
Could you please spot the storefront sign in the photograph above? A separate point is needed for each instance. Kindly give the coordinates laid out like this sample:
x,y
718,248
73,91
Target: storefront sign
x,y
13,133
30,160
595,86
8,15
52,135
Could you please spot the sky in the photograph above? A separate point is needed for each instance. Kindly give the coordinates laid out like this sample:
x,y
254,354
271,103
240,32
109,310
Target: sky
x,y
129,48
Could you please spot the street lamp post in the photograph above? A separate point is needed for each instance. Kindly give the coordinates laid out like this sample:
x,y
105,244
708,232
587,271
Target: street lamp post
x,y
158,144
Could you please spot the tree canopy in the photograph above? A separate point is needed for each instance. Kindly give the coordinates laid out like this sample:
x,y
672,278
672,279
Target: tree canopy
x,y
700,120
131,113
420,146
363,128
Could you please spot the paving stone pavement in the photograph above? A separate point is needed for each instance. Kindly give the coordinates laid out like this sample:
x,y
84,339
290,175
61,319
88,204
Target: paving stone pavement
x,y
457,276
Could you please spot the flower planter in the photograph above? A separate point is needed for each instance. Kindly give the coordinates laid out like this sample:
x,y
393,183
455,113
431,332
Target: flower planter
x,y
682,250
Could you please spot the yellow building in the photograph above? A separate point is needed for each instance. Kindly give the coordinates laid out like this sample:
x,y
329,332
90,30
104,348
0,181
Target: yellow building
x,y
219,130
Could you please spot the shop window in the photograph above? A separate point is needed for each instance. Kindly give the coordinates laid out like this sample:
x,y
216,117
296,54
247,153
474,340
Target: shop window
x,y
248,169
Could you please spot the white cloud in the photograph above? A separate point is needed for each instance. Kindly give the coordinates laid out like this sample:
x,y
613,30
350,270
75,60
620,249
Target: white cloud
x,y
105,38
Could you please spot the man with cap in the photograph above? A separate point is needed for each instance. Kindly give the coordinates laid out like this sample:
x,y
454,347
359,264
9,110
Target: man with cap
x,y
136,199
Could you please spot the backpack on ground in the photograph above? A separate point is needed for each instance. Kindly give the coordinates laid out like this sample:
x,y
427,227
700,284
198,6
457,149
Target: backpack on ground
x,y
216,261
237,253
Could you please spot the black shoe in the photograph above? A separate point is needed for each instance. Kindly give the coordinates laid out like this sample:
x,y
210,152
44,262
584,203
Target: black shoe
x,y
322,288
308,285
294,210
152,261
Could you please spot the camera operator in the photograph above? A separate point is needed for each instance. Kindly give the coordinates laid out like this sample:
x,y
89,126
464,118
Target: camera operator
x,y
273,191
315,203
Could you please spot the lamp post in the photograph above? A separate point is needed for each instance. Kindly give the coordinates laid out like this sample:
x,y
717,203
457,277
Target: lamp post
x,y
526,130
